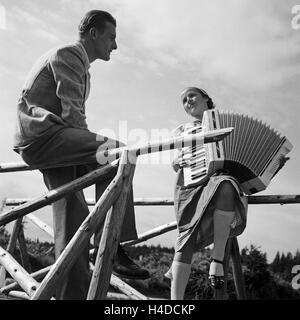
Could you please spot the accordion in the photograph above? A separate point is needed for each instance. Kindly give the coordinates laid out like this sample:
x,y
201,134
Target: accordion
x,y
250,153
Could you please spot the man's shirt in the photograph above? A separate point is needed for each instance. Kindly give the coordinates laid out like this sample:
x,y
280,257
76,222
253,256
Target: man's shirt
x,y
54,94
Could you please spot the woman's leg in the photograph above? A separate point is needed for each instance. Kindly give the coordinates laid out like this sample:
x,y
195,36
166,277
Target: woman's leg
x,y
224,203
181,269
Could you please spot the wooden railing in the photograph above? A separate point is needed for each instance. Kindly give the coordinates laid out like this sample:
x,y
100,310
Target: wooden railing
x,y
108,211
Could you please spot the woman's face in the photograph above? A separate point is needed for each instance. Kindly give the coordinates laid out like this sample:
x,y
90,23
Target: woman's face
x,y
194,104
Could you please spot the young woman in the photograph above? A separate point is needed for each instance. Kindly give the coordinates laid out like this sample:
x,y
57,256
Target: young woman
x,y
209,213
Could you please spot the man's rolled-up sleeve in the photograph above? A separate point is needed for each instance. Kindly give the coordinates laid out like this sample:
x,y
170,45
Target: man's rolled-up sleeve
x,y
69,75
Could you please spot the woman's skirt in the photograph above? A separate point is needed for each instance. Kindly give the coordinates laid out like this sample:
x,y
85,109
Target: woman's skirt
x,y
194,213
201,220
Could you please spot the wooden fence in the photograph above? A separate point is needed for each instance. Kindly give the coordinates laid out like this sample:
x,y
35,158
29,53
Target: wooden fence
x,y
106,211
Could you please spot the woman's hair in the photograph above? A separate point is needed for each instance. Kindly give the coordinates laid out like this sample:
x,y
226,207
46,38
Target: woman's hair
x,y
210,103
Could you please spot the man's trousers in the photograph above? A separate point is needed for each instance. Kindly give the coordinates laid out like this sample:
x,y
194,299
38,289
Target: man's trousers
x,y
75,150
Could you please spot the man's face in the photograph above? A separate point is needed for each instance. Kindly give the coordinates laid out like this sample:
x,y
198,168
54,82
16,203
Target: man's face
x,y
105,42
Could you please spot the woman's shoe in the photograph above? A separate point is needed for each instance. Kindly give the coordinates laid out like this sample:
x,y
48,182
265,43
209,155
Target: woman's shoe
x,y
216,282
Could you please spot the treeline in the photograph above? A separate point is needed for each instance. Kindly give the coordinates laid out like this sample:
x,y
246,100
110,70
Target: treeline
x,y
263,281
282,264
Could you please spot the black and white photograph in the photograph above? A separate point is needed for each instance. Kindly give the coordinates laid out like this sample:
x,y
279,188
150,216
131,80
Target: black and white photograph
x,y
150,151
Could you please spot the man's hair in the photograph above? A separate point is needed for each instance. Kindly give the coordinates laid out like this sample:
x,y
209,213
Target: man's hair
x,y
97,19
204,94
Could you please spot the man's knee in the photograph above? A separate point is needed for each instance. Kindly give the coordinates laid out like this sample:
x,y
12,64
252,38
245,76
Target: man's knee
x,y
103,156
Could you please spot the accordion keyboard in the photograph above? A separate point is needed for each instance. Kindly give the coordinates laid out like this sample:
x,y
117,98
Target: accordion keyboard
x,y
197,158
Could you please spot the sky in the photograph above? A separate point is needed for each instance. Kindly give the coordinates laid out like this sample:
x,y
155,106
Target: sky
x,y
244,53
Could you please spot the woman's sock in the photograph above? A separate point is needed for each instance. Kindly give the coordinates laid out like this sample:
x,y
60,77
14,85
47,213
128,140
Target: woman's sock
x,y
180,276
222,225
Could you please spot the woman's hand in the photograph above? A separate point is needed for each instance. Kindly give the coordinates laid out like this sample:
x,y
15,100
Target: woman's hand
x,y
182,160
282,161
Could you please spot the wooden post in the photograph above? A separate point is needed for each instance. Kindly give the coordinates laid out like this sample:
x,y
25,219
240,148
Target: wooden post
x,y
11,246
23,250
26,282
2,269
79,240
14,236
237,271
222,293
111,234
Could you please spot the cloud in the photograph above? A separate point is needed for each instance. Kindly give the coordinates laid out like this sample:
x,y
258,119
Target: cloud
x,y
26,17
243,42
244,53
51,37
33,22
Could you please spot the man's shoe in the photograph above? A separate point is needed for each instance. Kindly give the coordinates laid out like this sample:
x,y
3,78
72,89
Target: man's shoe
x,y
124,267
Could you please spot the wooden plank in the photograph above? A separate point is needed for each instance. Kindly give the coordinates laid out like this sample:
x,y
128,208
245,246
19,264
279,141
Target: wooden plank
x,y
23,250
116,296
56,194
152,146
26,282
129,293
274,199
14,236
124,287
262,199
39,223
79,240
11,246
111,234
19,295
151,234
37,275
15,167
238,276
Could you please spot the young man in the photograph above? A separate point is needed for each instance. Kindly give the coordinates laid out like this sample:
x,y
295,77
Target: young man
x,y
52,130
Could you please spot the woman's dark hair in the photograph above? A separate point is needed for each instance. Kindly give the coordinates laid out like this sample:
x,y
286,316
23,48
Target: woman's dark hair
x,y
204,94
95,18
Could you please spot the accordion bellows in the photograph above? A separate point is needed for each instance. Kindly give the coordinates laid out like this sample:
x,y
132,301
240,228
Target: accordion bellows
x,y
250,153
